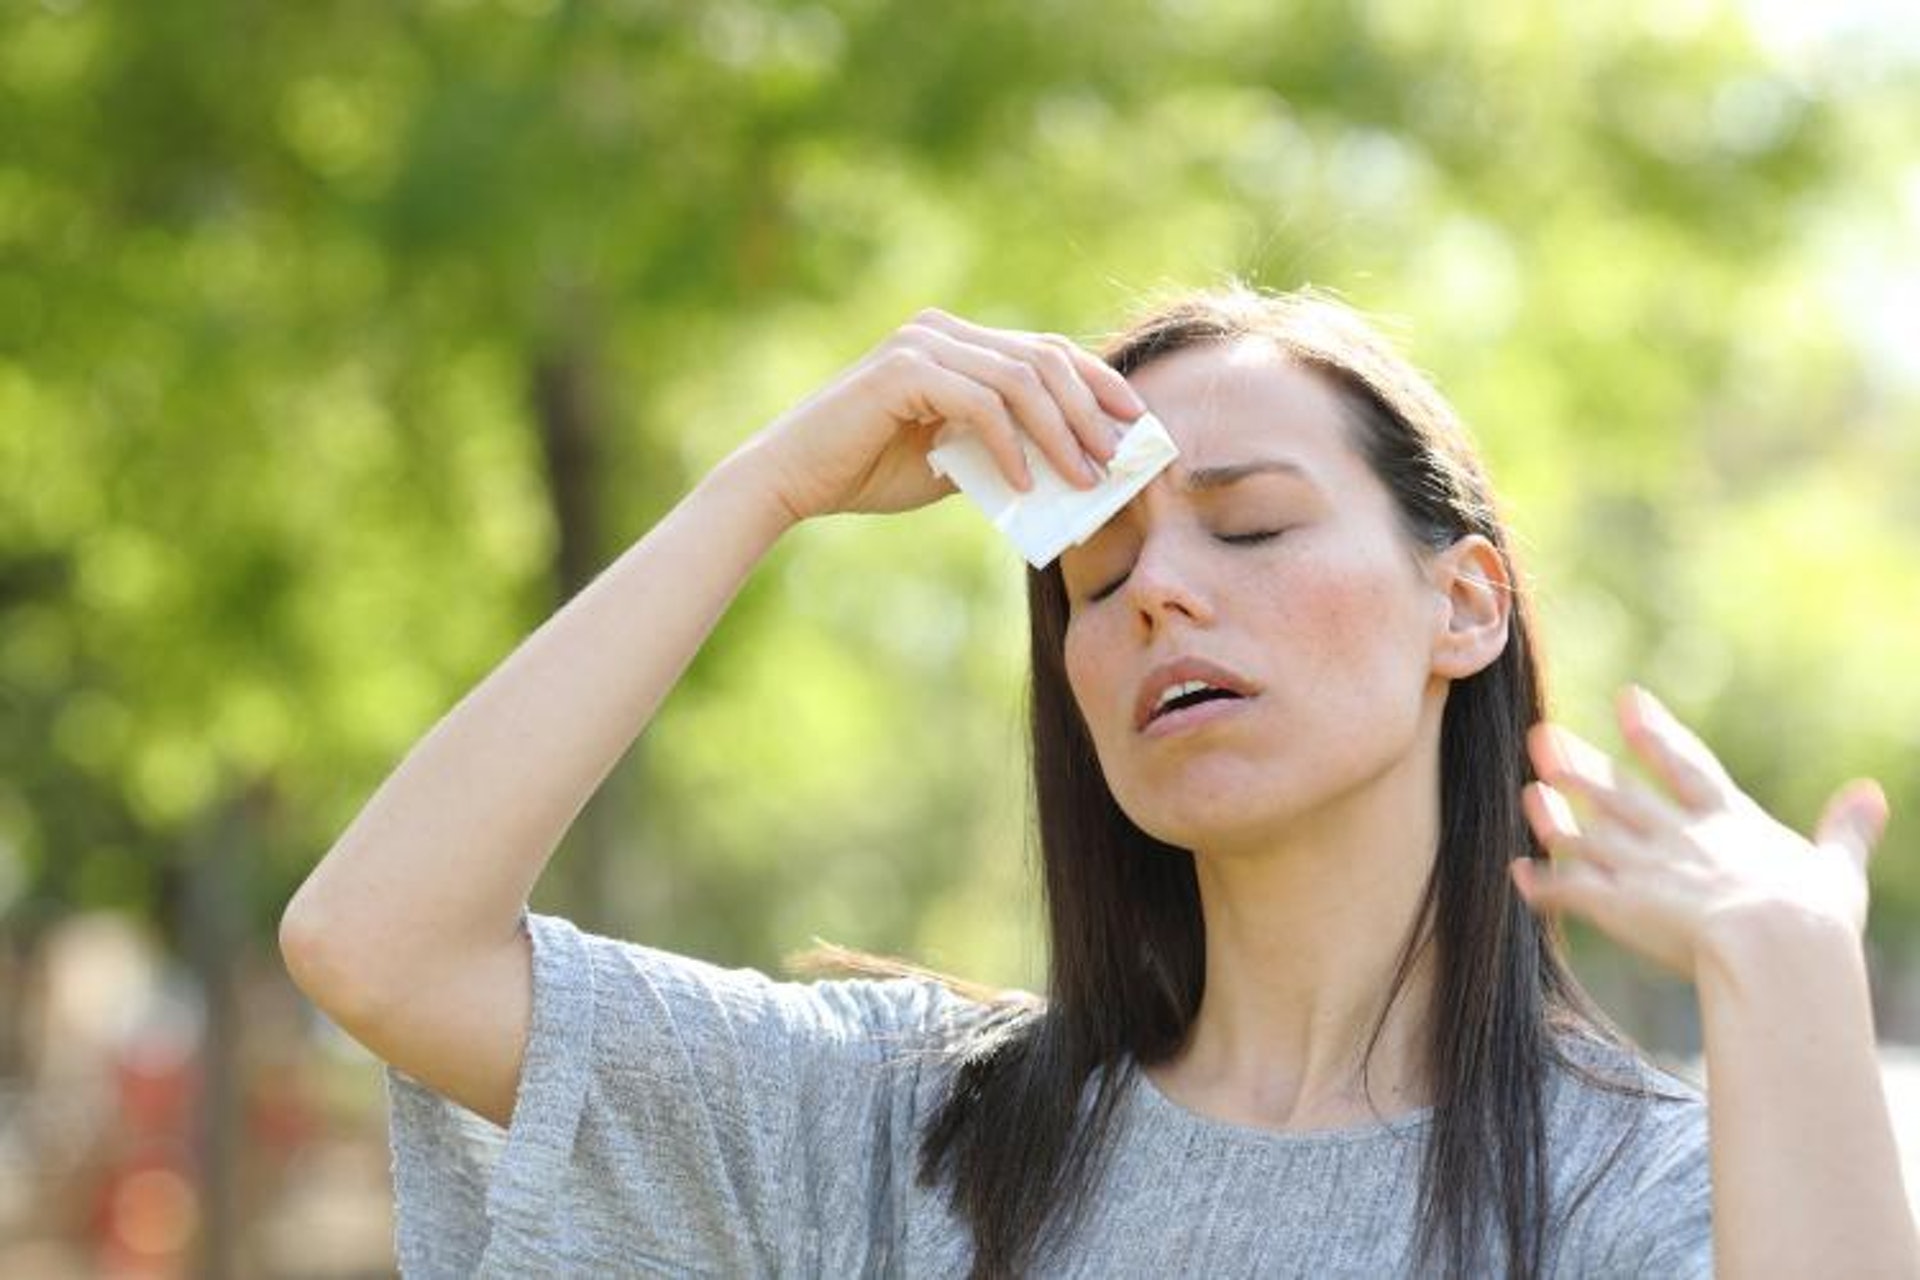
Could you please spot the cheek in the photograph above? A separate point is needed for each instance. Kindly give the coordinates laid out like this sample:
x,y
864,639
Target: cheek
x,y
1082,671
1352,610
1365,621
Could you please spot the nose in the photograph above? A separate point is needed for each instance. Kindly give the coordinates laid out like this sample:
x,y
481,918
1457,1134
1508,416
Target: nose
x,y
1167,582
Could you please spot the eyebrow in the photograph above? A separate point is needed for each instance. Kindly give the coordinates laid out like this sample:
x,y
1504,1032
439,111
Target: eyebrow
x,y
1211,479
1203,479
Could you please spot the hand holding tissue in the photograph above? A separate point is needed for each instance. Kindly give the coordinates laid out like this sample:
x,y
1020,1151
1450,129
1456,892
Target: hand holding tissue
x,y
1054,515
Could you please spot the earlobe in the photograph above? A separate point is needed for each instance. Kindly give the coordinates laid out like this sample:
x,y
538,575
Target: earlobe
x,y
1476,601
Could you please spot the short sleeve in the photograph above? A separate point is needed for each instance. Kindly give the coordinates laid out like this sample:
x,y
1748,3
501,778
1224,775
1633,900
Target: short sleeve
x,y
675,1118
1662,1226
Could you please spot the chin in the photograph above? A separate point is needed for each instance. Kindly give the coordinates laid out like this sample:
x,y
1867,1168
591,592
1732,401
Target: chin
x,y
1195,815
1228,800
1194,837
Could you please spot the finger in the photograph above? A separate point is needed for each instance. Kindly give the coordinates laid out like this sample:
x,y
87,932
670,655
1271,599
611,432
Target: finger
x,y
1554,825
1854,820
932,392
1115,394
1099,431
1574,887
1024,389
1673,753
1060,366
1108,384
1064,368
1577,767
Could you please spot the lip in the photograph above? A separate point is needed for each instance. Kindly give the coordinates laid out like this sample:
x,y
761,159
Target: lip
x,y
1183,669
1188,719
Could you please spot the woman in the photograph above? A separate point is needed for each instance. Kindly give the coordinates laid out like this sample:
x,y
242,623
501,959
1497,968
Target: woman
x,y
1306,1014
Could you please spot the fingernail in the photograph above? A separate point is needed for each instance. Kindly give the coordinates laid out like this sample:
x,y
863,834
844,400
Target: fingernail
x,y
1553,747
1092,470
1558,810
1648,704
1577,754
1864,816
1106,440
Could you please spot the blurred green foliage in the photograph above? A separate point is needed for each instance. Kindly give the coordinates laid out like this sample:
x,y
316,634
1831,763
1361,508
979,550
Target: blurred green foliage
x,y
288,292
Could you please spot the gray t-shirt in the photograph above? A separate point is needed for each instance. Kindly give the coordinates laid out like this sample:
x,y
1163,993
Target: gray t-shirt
x,y
679,1119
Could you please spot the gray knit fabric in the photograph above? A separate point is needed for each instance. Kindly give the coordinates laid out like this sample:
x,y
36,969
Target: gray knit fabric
x,y
679,1119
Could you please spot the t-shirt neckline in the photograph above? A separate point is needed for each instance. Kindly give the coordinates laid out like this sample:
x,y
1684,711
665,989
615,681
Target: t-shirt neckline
x,y
1158,1104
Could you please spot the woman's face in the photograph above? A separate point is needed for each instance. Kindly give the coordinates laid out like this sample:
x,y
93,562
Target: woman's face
x,y
1330,627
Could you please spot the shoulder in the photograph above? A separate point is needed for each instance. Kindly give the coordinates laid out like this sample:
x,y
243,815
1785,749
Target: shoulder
x,y
664,1105
1628,1147
1608,1103
699,999
1594,1082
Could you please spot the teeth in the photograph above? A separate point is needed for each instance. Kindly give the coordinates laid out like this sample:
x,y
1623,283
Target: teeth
x,y
1179,691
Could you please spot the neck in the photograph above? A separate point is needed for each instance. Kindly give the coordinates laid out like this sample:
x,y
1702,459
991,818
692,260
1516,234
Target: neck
x,y
1303,934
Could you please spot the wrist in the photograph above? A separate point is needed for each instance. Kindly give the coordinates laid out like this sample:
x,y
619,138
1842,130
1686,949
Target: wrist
x,y
743,479
1752,946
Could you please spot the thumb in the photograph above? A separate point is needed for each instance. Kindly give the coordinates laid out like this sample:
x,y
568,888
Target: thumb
x,y
1854,819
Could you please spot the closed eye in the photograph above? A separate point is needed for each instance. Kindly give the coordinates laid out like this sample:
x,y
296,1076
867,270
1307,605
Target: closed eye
x,y
1236,539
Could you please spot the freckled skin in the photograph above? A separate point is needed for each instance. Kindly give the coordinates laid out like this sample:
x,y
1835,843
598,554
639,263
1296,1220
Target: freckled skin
x,y
1335,621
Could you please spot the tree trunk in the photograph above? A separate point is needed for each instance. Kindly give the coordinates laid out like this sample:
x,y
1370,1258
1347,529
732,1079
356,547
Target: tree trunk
x,y
214,933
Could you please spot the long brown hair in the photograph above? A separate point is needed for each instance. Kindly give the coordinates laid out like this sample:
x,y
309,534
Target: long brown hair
x,y
1018,1137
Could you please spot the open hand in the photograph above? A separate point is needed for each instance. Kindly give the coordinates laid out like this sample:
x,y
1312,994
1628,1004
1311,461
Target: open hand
x,y
1662,870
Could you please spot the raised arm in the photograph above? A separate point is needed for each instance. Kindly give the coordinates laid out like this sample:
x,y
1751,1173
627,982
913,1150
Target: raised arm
x,y
1806,1174
1805,1169
407,933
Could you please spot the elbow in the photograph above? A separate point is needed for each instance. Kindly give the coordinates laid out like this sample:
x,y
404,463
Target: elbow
x,y
319,957
301,938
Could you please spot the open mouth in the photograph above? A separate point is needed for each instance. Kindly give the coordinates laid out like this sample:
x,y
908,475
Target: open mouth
x,y
1192,710
1188,686
1192,698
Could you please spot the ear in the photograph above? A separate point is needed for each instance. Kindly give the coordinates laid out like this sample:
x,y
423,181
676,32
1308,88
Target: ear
x,y
1474,595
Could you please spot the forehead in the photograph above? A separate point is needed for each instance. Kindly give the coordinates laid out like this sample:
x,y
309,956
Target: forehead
x,y
1222,402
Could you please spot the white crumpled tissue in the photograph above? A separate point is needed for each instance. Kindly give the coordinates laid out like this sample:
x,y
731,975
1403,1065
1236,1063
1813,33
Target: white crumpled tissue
x,y
1053,515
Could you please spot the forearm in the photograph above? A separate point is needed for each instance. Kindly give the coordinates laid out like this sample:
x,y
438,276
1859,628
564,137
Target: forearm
x,y
1806,1175
450,845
